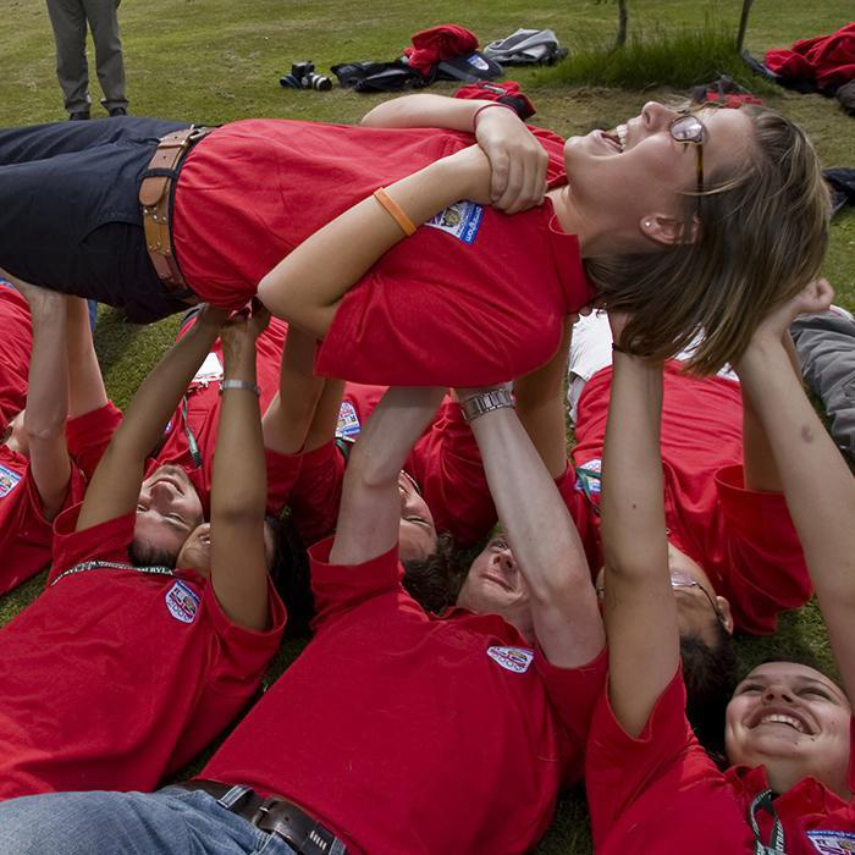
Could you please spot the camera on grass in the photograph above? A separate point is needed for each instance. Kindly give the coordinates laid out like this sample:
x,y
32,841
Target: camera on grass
x,y
303,76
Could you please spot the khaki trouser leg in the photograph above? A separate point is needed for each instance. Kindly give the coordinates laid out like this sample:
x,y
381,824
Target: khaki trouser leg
x,y
104,23
68,20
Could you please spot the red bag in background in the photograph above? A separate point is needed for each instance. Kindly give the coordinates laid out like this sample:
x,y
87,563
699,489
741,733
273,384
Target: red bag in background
x,y
827,61
437,44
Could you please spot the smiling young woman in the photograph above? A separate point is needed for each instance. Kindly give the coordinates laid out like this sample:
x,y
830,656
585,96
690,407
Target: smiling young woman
x,y
788,727
475,297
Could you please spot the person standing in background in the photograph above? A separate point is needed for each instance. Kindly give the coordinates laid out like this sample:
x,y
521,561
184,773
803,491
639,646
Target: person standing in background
x,y
69,19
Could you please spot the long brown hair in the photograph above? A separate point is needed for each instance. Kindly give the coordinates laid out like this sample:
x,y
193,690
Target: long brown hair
x,y
760,236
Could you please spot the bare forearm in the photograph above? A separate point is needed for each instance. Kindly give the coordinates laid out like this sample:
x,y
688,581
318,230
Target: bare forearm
x,y
239,485
86,390
370,506
633,501
161,391
760,468
528,504
47,393
307,285
289,416
819,488
540,407
47,402
432,111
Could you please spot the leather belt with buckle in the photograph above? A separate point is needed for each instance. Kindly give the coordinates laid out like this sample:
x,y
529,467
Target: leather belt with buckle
x,y
273,814
156,199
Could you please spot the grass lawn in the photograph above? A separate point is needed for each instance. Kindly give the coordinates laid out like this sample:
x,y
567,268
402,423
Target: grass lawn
x,y
213,61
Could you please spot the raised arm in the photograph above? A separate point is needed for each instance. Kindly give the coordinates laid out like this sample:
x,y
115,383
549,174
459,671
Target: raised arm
x,y
543,539
86,390
289,416
47,397
239,487
370,511
541,406
517,159
759,466
116,483
640,610
819,487
307,286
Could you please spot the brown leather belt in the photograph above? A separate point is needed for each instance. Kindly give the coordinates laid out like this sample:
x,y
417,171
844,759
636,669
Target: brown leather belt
x,y
155,197
274,815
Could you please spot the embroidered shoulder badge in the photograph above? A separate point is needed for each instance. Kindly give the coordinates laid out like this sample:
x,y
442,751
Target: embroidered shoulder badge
x,y
348,422
832,842
182,602
516,659
8,481
462,220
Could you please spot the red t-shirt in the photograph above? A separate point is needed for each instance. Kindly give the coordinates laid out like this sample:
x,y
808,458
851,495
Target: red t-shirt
x,y
113,678
661,793
744,539
25,534
408,733
89,435
16,347
445,462
474,297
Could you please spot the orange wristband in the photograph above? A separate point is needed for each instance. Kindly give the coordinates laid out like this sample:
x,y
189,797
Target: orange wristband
x,y
395,211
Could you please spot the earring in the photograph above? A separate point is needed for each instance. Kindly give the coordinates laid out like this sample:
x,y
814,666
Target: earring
x,y
647,224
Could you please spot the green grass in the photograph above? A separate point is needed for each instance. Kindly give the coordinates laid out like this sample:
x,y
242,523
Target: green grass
x,y
684,58
220,60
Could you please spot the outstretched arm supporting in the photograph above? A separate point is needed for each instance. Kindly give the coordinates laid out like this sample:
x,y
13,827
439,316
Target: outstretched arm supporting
x,y
640,611
86,390
819,487
307,286
116,483
287,420
543,540
370,511
239,488
540,406
47,397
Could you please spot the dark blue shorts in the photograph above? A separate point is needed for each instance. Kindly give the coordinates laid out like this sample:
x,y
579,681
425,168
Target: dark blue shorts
x,y
70,217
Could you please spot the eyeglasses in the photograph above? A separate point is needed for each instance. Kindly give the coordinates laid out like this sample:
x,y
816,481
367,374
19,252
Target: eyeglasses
x,y
680,581
689,130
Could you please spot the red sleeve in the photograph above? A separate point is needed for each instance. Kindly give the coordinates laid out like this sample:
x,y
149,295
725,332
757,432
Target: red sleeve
x,y
764,566
107,541
583,516
619,769
89,435
283,471
243,653
338,588
446,464
573,693
316,495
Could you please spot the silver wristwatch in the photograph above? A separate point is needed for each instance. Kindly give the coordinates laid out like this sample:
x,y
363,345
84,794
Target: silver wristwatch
x,y
486,402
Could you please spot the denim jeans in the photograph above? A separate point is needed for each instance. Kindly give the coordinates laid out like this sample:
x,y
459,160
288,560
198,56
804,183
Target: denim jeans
x,y
169,822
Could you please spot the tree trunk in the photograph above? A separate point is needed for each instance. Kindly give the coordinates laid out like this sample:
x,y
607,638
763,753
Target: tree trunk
x,y
743,24
620,41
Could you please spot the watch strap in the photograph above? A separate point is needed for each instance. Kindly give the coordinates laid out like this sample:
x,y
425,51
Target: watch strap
x,y
485,402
